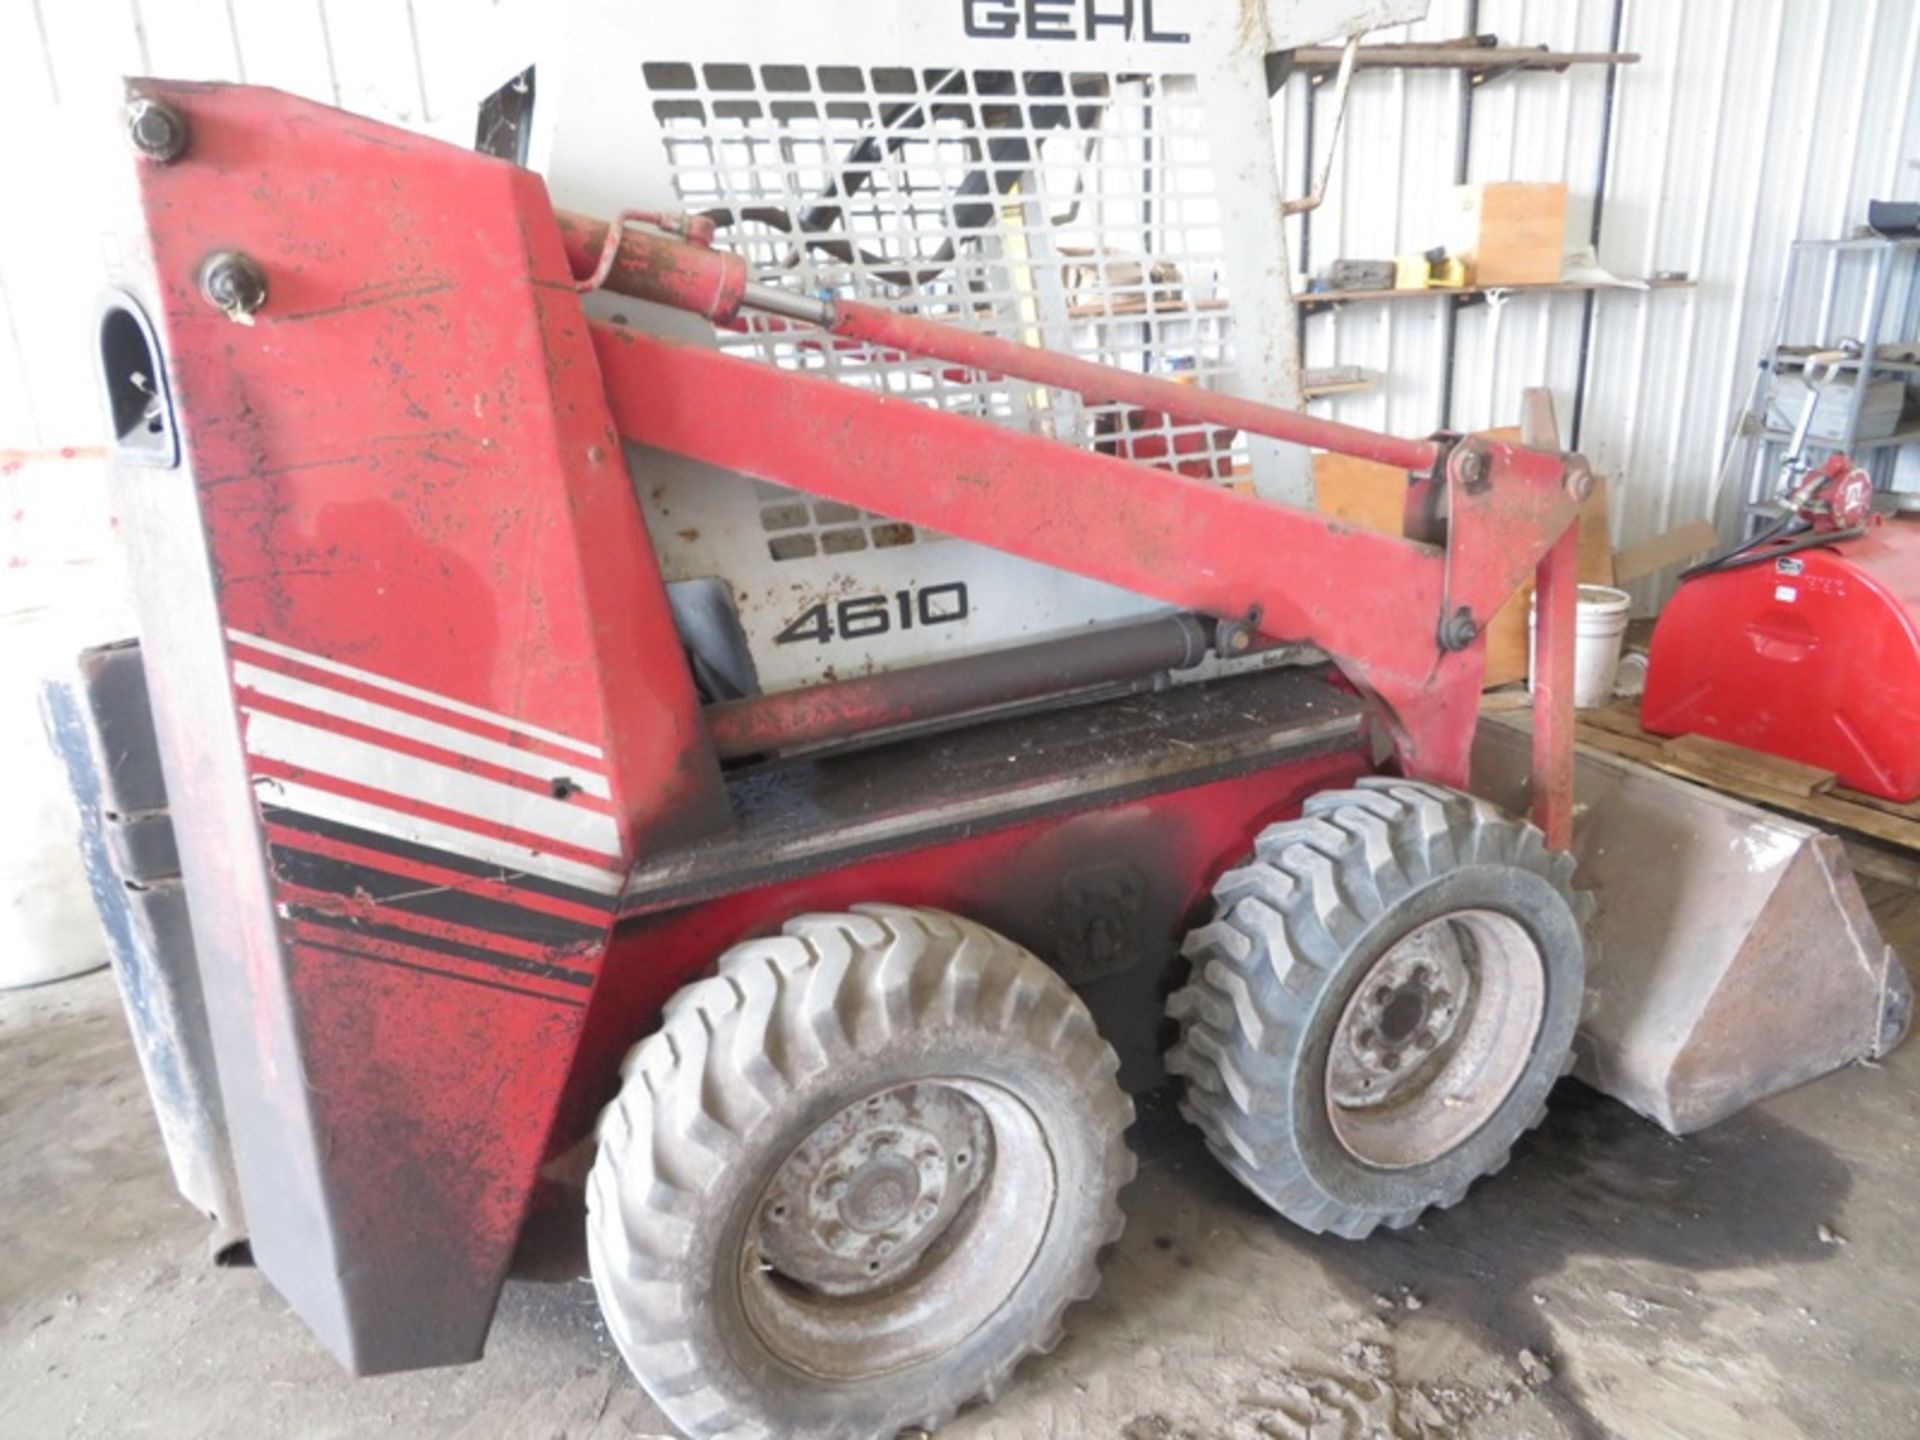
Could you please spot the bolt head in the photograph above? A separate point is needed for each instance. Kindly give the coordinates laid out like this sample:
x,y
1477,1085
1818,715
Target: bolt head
x,y
1459,630
1579,482
234,284
157,130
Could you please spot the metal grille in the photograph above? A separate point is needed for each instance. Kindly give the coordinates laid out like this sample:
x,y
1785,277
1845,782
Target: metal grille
x,y
1077,211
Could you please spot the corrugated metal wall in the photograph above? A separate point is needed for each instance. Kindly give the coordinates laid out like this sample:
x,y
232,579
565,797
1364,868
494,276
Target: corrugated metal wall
x,y
1747,123
395,60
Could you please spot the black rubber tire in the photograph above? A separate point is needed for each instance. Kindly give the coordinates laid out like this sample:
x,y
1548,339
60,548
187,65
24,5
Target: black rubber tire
x,y
792,1030
1295,931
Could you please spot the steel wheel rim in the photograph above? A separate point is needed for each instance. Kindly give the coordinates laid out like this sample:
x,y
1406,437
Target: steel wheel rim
x,y
1434,1038
863,1255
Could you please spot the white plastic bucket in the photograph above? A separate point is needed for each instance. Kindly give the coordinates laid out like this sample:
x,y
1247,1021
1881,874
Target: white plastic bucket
x,y
1599,628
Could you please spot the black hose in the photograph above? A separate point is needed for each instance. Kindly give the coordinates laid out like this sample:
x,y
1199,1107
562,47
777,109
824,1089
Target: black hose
x,y
1752,554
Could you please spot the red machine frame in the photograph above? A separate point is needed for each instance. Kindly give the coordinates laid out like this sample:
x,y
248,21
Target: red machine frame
x,y
424,707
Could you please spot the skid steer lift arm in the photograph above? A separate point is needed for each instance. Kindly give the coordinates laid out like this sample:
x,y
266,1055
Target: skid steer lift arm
x,y
1401,617
418,693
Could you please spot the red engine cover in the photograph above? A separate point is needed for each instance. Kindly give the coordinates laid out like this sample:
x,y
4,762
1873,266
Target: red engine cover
x,y
1814,656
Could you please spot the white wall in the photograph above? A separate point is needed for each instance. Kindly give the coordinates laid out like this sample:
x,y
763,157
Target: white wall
x,y
1747,124
395,60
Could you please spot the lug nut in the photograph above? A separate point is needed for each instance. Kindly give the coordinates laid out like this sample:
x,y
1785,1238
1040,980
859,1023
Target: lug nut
x,y
158,131
1458,630
234,284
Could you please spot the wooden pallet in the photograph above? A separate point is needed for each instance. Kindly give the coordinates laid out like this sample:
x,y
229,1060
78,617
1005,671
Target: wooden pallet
x,y
1769,780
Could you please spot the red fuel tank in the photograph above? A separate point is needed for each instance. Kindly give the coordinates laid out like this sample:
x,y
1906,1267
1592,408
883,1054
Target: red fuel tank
x,y
1813,655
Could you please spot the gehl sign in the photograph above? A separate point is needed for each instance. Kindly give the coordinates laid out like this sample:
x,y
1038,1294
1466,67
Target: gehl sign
x,y
1067,20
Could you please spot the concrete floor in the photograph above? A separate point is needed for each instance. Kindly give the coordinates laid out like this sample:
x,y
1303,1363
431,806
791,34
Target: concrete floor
x,y
1760,1280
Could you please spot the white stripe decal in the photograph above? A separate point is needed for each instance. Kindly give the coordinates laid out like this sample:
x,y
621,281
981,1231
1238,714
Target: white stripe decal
x,y
414,692
274,737
512,859
398,722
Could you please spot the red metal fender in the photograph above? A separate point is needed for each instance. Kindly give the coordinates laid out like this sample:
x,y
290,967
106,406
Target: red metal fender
x,y
419,694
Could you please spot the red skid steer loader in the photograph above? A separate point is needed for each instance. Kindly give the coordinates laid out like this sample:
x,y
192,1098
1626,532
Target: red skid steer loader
x,y
493,843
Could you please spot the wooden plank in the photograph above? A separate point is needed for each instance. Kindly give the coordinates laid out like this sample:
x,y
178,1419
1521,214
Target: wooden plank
x,y
1510,232
1618,720
1360,492
1645,751
1826,809
1867,821
1910,810
1558,287
1705,754
1712,757
1651,556
1459,55
1829,810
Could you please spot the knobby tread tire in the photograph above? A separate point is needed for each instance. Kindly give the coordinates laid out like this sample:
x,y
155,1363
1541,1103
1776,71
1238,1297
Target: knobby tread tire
x,y
1295,928
745,1063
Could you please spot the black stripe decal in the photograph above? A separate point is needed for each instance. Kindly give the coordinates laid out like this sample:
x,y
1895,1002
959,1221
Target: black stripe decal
x,y
374,930
443,974
438,902
445,859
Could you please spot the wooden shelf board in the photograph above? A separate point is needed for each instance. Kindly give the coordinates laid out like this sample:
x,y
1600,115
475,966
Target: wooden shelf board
x,y
1456,55
1554,287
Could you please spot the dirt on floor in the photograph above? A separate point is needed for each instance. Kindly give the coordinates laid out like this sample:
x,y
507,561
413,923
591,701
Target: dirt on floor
x,y
1759,1280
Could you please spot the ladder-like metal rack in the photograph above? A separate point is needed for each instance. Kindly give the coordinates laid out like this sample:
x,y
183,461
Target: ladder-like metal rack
x,y
1867,302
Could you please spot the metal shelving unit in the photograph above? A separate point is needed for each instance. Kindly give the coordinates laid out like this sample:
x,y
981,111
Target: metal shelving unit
x,y
1868,295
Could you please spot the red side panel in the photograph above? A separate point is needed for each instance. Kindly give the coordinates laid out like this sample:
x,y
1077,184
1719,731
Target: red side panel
x,y
1151,861
1814,656
447,662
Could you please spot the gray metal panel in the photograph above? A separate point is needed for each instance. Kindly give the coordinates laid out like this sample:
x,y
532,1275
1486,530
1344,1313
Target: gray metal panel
x,y
101,728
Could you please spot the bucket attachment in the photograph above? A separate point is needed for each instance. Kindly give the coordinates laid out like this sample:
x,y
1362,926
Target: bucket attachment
x,y
1731,955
